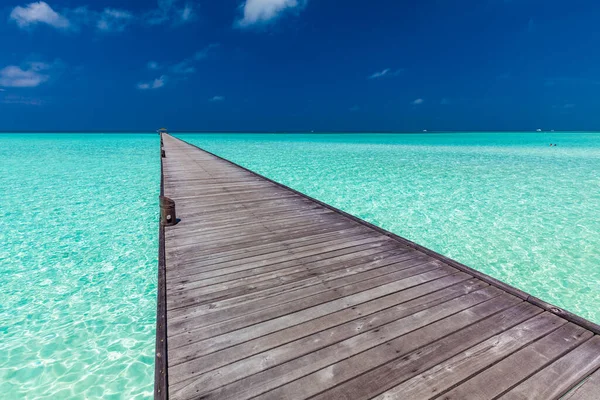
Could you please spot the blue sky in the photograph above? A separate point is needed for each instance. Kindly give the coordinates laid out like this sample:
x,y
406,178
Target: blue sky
x,y
285,65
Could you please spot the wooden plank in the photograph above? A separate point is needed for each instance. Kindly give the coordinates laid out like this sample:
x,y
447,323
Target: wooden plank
x,y
283,283
194,276
343,324
422,326
345,309
386,365
206,324
506,374
449,373
287,254
560,376
358,341
323,259
324,300
274,271
589,390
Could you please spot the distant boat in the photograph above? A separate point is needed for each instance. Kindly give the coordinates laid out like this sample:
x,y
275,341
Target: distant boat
x,y
424,130
538,130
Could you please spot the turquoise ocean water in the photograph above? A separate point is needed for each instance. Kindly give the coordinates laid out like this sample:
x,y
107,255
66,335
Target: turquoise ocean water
x,y
505,203
78,262
78,227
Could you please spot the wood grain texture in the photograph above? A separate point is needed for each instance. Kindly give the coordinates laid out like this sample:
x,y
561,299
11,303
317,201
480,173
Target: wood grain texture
x,y
271,294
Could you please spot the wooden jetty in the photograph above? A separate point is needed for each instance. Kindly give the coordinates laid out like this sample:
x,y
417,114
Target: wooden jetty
x,y
266,293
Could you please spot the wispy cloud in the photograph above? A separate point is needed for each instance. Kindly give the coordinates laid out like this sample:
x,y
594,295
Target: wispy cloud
x,y
388,72
215,99
173,12
112,20
260,12
38,13
354,108
170,11
418,101
29,101
183,67
155,84
187,66
33,75
153,65
205,52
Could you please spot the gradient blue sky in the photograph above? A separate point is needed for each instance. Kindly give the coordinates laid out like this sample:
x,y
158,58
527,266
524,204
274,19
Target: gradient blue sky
x,y
284,65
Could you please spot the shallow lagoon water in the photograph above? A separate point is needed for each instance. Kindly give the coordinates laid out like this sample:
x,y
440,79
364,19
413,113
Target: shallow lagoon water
x,y
504,203
78,227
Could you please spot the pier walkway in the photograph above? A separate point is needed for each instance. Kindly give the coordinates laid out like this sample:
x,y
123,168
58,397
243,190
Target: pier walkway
x,y
265,293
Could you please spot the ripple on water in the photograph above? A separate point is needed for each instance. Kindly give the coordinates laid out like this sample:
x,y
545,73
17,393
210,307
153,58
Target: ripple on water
x,y
78,265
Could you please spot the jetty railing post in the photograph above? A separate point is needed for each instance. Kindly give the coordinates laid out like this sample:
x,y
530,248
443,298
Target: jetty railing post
x,y
168,217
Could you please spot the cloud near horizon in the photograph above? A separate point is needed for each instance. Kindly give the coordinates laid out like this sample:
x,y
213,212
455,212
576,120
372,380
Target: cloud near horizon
x,y
260,12
32,76
217,99
418,101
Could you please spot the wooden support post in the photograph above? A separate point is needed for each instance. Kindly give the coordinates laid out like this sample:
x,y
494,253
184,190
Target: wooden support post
x,y
167,211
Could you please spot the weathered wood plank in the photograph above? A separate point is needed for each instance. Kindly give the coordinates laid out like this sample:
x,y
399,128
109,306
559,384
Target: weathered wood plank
x,y
589,390
283,283
324,338
206,324
445,375
506,374
371,314
414,331
560,376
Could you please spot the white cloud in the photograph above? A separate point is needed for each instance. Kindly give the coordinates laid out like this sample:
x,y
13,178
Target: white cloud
x,y
183,67
32,76
39,12
107,20
418,101
153,65
379,74
30,101
385,73
187,66
187,13
202,54
263,11
112,20
170,10
2,90
155,84
217,98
